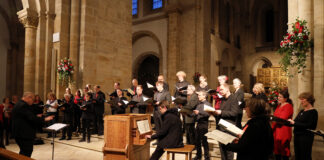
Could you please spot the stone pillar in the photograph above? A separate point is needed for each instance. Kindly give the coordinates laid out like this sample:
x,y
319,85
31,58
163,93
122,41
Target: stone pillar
x,y
173,57
305,12
40,53
74,41
29,18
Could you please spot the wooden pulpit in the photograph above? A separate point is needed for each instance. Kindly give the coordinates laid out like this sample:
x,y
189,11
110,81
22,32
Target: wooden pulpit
x,y
124,136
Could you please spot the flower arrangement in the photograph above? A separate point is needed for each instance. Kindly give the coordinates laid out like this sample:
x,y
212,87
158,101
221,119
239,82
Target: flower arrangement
x,y
294,47
196,77
273,96
65,70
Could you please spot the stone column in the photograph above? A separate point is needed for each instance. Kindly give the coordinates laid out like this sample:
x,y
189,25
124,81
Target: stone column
x,y
29,18
74,40
50,16
305,12
173,57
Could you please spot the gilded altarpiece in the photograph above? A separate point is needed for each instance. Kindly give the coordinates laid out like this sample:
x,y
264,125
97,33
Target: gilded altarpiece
x,y
270,76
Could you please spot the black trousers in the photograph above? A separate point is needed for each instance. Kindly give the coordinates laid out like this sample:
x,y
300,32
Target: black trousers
x,y
86,128
7,128
303,147
157,119
26,146
239,120
157,153
225,154
1,135
201,139
190,133
77,120
67,129
98,123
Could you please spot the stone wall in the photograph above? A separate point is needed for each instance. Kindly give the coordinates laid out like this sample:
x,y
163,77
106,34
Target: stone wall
x,y
106,43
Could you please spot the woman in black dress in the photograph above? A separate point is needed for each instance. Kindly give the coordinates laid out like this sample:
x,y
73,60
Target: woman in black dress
x,y
306,119
256,142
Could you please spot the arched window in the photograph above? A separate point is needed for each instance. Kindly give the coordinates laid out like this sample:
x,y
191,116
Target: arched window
x,y
156,4
134,7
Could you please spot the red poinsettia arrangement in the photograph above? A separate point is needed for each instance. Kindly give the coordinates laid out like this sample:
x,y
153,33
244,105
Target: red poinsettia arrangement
x,y
196,77
294,46
65,70
273,96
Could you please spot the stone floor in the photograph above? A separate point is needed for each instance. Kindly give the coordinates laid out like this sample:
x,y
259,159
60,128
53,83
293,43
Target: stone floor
x,y
74,150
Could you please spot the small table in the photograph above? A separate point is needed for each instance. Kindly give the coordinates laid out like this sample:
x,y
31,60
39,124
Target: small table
x,y
187,150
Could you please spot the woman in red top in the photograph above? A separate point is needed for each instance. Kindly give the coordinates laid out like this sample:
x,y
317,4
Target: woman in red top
x,y
282,134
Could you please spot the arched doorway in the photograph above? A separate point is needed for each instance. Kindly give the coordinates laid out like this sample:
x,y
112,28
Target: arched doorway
x,y
148,71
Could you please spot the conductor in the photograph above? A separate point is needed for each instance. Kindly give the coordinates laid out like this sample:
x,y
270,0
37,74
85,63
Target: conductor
x,y
25,123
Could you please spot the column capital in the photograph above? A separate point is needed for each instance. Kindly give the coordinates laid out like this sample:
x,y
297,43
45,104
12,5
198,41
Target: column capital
x,y
29,18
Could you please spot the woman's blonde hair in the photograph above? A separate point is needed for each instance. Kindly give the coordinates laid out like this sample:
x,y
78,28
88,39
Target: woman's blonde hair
x,y
51,94
181,73
259,88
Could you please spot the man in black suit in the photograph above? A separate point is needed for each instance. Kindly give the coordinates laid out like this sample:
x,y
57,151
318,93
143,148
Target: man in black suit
x,y
239,96
25,123
67,109
170,135
99,108
201,129
119,106
229,110
165,85
189,120
87,117
140,107
159,96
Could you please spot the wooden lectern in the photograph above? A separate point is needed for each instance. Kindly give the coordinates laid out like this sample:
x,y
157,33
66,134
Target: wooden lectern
x,y
123,140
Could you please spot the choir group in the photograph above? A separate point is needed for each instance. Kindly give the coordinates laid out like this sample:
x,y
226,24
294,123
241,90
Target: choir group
x,y
265,135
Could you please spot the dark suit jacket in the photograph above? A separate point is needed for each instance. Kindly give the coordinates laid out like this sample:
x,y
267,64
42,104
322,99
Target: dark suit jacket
x,y
165,96
239,95
203,116
230,110
257,141
89,112
99,106
180,85
170,135
191,105
115,108
165,86
68,112
24,121
141,105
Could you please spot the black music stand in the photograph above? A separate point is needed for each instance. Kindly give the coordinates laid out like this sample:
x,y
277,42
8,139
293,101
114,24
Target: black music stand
x,y
54,128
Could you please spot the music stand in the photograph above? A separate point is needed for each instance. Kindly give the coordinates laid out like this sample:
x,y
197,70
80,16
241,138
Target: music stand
x,y
54,128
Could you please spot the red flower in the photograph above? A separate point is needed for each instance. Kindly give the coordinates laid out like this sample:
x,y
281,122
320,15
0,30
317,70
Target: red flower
x,y
305,37
289,36
297,25
70,64
295,41
300,29
65,61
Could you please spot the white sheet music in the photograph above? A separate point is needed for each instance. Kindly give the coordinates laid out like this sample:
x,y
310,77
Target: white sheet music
x,y
173,98
143,126
57,126
219,95
149,85
230,127
222,137
208,108
239,102
144,98
126,102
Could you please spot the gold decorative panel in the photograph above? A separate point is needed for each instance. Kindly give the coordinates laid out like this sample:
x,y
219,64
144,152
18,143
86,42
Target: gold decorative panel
x,y
268,76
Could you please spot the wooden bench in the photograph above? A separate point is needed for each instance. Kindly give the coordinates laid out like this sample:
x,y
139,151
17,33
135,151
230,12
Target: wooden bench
x,y
9,155
187,150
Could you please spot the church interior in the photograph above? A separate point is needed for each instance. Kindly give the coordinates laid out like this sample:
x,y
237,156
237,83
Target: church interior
x,y
111,41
